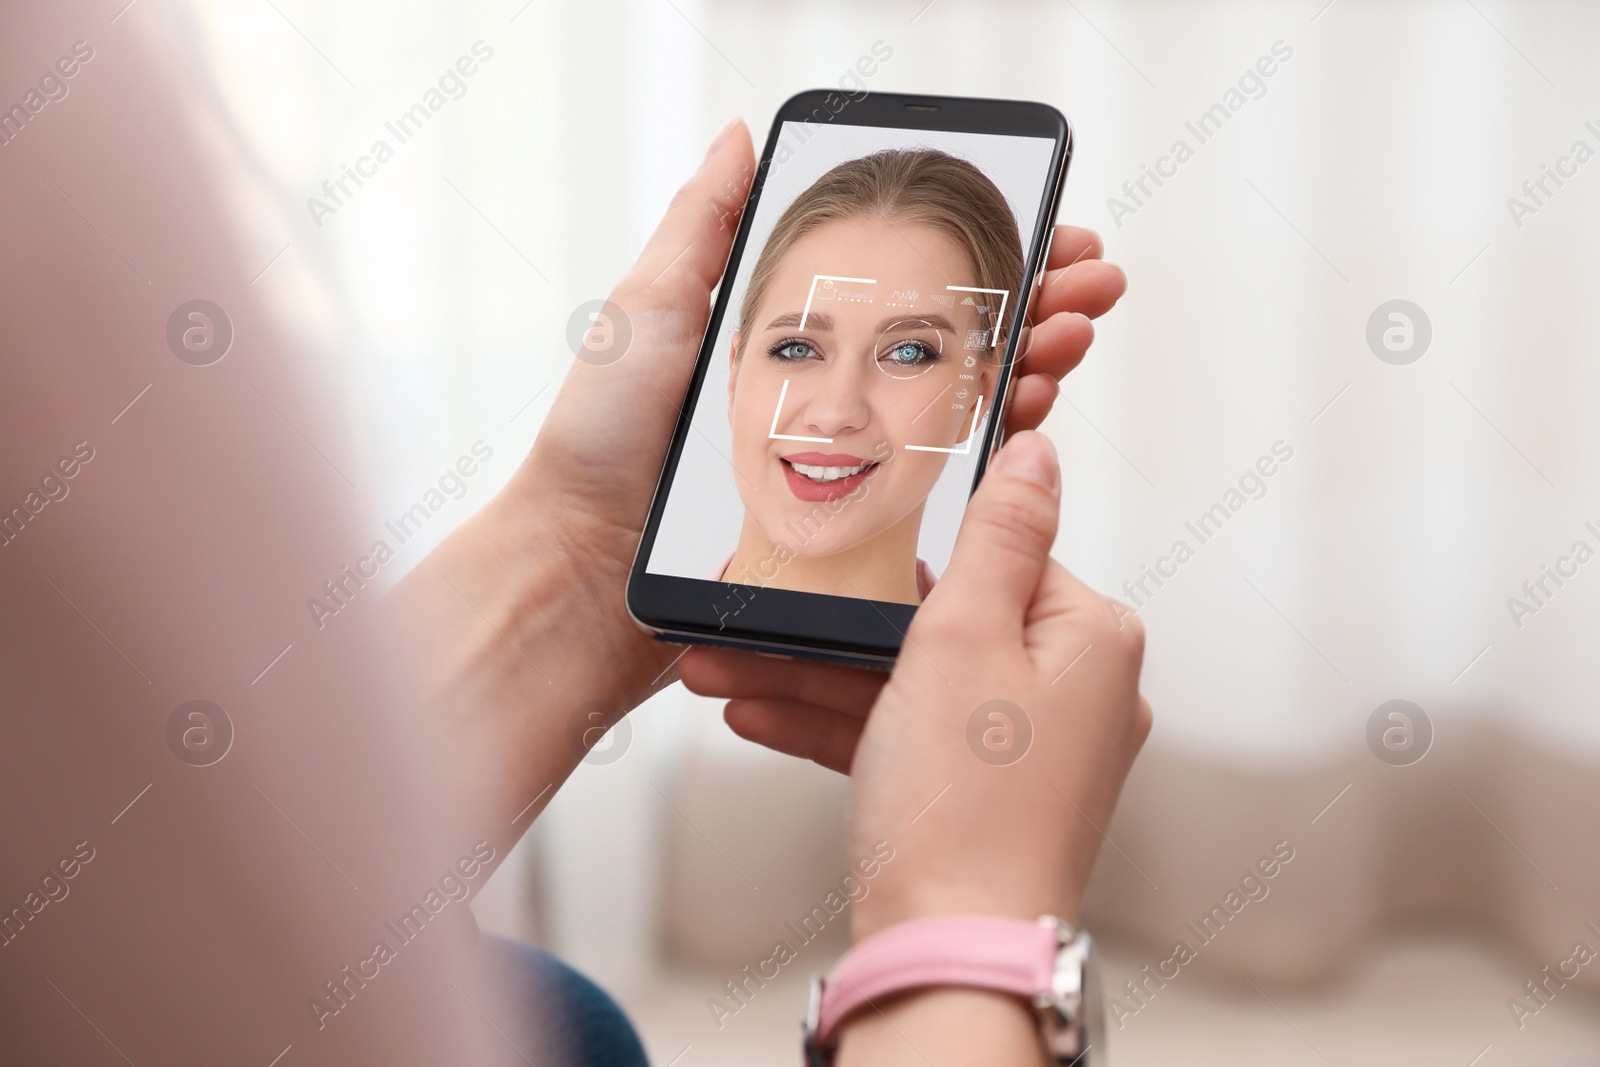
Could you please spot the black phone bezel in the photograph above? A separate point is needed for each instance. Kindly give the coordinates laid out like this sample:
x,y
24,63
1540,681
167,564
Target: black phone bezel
x,y
815,625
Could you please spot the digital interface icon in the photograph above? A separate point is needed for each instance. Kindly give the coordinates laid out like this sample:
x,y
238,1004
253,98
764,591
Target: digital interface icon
x,y
991,337
831,290
965,446
983,309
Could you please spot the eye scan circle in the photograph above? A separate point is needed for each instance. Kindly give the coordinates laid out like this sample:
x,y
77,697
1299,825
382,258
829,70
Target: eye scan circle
x,y
909,348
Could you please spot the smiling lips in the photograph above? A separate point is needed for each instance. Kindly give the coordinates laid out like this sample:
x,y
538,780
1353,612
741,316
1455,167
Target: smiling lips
x,y
819,476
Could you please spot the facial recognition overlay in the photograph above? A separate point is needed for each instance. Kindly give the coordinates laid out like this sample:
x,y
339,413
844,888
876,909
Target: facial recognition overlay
x,y
834,440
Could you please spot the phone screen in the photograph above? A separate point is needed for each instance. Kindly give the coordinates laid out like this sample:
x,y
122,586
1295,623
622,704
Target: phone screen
x,y
837,430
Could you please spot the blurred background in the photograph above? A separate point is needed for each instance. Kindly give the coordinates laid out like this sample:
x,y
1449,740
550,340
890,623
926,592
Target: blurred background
x,y
1432,456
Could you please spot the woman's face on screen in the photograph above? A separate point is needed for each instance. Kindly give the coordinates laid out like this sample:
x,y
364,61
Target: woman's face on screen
x,y
862,368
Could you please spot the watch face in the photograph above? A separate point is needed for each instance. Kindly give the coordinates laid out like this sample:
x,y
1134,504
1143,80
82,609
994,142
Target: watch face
x,y
1094,1011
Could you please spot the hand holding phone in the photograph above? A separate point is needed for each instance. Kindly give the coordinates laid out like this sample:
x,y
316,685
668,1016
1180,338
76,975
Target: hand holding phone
x,y
547,560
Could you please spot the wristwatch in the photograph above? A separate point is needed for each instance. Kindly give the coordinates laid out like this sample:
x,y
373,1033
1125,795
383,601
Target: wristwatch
x,y
1048,963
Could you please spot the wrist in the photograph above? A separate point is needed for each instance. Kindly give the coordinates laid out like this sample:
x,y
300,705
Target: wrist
x,y
535,594
478,601
512,632
917,895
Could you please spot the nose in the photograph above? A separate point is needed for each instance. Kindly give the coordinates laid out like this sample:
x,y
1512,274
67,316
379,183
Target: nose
x,y
833,400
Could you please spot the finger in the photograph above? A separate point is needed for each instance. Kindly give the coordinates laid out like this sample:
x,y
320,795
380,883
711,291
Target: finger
x,y
1057,345
1091,287
691,243
1004,541
1031,400
795,729
1072,244
722,672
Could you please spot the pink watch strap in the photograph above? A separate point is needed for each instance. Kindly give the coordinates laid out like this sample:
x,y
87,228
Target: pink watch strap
x,y
980,951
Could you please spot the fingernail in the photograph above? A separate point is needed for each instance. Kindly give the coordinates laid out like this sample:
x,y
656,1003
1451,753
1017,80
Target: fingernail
x,y
722,135
1031,457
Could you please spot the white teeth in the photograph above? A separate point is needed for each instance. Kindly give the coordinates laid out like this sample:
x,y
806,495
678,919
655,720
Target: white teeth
x,y
827,474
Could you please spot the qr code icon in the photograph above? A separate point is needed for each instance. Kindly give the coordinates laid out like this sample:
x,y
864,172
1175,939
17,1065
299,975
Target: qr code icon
x,y
978,340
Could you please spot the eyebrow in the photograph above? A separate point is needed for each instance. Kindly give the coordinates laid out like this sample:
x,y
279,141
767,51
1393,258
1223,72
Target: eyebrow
x,y
821,320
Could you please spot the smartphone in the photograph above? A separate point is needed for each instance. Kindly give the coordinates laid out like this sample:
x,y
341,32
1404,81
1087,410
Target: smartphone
x,y
852,384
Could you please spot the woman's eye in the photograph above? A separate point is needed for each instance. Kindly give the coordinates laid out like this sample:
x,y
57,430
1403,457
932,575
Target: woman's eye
x,y
910,353
792,350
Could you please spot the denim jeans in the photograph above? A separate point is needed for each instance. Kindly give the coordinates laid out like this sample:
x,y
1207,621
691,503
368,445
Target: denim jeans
x,y
561,1019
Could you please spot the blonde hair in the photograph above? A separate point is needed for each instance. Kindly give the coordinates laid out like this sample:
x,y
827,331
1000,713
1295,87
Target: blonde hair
x,y
921,185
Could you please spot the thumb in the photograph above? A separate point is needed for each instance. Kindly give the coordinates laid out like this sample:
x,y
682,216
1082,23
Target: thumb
x,y
1006,535
691,244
